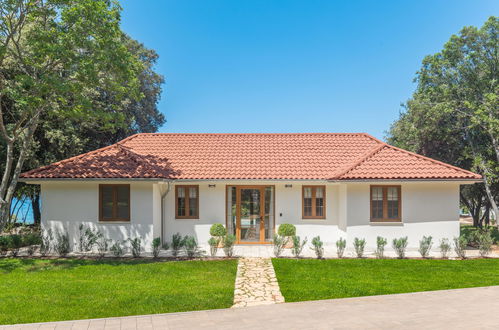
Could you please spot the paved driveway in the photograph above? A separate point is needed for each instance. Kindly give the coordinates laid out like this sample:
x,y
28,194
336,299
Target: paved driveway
x,y
476,308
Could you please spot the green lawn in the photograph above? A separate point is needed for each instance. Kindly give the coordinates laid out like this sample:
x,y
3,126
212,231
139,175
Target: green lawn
x,y
48,290
312,279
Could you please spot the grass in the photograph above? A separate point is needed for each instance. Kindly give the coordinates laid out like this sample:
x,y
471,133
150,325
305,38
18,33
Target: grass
x,y
312,279
34,290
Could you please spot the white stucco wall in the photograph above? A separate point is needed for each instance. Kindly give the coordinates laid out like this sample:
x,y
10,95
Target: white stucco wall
x,y
428,209
65,205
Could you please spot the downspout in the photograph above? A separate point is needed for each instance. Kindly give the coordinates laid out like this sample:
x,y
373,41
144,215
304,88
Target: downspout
x,y
163,193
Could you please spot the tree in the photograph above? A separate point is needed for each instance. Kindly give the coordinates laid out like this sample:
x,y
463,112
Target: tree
x,y
454,112
61,138
55,55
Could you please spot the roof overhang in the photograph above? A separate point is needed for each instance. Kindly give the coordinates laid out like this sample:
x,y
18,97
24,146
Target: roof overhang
x,y
461,181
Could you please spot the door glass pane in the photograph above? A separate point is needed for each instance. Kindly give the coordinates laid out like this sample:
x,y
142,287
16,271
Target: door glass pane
x,y
231,210
269,213
122,196
107,202
250,215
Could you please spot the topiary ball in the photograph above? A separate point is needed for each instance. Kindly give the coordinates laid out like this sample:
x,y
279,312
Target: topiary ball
x,y
218,229
286,229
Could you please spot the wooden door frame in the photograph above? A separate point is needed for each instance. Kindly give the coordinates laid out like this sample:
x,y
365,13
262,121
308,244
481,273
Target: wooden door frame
x,y
238,211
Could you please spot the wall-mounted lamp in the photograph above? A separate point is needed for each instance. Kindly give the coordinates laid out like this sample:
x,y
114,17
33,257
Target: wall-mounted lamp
x,y
212,185
288,186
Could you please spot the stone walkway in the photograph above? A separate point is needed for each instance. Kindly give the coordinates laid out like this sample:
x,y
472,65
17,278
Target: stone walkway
x,y
474,308
256,283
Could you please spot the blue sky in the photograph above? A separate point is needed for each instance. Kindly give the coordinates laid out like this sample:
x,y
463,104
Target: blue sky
x,y
292,66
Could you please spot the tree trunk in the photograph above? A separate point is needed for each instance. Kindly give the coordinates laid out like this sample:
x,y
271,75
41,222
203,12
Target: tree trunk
x,y
10,179
35,205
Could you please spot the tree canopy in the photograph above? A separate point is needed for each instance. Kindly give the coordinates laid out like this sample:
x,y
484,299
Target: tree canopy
x,y
61,60
453,115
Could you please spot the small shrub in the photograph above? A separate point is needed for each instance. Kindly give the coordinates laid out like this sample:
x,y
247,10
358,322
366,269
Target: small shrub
x,y
341,244
165,246
4,245
444,248
318,247
400,245
16,242
32,241
62,246
45,246
218,230
229,241
380,247
102,245
425,246
460,244
117,249
359,245
135,246
286,230
298,246
485,242
177,243
191,246
213,242
156,246
279,242
87,238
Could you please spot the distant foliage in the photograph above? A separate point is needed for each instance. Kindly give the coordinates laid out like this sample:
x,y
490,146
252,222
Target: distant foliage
x,y
485,242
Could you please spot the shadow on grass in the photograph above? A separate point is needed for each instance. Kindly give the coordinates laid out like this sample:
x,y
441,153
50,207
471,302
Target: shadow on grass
x,y
8,265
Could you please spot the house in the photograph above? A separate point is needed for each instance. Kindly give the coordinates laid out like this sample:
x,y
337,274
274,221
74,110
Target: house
x,y
333,185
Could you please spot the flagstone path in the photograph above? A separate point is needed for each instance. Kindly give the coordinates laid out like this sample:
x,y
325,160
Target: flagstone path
x,y
256,283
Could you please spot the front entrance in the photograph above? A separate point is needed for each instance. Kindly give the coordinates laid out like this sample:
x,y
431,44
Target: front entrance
x,y
250,213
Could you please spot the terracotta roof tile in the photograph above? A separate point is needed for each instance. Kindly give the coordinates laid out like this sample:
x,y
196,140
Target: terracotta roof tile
x,y
304,156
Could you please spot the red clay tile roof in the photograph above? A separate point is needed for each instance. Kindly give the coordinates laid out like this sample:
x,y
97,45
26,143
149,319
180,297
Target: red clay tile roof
x,y
294,156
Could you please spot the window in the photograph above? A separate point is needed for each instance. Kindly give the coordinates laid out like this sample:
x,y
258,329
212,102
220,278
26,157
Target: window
x,y
385,203
187,202
314,202
114,202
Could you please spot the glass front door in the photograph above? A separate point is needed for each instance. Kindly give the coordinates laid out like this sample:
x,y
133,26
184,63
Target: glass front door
x,y
250,213
250,210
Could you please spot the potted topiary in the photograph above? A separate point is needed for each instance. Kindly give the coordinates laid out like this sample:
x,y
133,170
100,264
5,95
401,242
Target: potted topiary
x,y
218,231
287,231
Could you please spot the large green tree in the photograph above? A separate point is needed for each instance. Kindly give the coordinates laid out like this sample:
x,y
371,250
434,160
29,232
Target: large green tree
x,y
454,113
55,57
